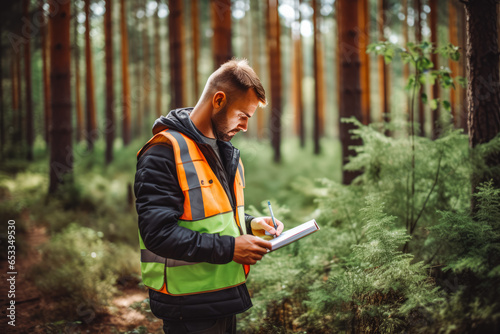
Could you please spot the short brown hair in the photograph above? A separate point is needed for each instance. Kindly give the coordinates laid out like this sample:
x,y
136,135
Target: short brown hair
x,y
236,76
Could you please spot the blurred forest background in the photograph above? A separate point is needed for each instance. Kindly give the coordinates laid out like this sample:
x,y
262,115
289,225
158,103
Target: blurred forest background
x,y
382,124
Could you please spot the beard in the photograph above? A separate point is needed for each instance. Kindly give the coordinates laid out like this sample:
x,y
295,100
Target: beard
x,y
220,126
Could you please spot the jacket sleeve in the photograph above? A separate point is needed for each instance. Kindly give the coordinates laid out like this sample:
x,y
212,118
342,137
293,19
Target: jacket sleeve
x,y
159,204
248,223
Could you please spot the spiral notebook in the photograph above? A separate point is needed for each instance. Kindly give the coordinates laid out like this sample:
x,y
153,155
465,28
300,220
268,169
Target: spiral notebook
x,y
294,234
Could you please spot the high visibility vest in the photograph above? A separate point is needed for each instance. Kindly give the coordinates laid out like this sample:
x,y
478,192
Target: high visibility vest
x,y
207,209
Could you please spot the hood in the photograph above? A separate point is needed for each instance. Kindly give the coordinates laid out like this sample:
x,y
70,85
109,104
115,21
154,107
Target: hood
x,y
178,120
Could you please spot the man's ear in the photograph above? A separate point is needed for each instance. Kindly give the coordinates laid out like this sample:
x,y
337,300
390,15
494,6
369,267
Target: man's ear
x,y
219,100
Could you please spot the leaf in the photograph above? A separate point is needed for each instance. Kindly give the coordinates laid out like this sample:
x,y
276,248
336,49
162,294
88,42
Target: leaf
x,y
462,81
447,105
424,98
434,104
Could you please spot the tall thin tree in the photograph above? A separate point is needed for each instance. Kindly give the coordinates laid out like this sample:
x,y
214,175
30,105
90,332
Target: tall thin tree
x,y
317,79
383,69
176,49
157,69
483,91
110,93
435,126
44,34
221,26
195,26
78,96
30,131
91,133
61,149
146,65
274,49
418,37
125,75
297,74
453,37
364,40
2,110
349,78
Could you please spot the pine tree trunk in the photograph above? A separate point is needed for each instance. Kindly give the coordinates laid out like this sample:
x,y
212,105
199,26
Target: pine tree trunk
x,y
435,126
16,108
78,99
364,40
318,106
406,67
91,133
418,36
158,71
110,93
30,132
125,76
274,50
453,37
2,110
44,34
136,95
349,78
221,25
258,50
146,67
483,92
297,68
195,24
176,49
462,69
383,69
61,151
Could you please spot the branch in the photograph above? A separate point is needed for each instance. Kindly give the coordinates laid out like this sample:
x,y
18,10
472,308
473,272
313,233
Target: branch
x,y
428,196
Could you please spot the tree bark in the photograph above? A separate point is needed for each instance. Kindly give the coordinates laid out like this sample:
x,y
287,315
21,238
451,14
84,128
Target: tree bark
x,y
436,124
91,133
44,34
30,131
78,99
383,69
110,93
483,91
274,50
418,37
297,72
453,37
2,110
176,49
61,151
364,40
146,67
195,24
221,25
158,71
317,79
349,78
125,76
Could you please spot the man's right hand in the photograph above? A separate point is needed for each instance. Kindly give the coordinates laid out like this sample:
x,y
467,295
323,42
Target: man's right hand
x,y
249,249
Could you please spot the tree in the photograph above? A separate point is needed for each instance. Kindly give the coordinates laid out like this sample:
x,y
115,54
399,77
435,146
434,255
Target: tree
x,y
349,78
435,126
483,91
146,66
44,34
110,93
418,37
273,40
453,37
297,73
2,110
30,132
78,98
221,25
91,132
195,26
318,90
383,69
158,72
364,58
125,76
61,152
176,49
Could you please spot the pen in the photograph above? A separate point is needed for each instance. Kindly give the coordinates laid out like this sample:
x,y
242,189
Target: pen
x,y
272,215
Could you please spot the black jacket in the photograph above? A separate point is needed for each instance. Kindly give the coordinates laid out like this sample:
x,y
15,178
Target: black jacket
x,y
159,204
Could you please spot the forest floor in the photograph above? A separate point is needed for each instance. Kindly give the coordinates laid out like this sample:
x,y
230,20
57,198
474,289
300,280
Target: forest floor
x,y
33,310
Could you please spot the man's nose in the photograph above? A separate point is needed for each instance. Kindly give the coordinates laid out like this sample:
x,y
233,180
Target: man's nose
x,y
243,125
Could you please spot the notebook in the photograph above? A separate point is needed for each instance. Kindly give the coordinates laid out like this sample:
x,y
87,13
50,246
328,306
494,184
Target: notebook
x,y
294,234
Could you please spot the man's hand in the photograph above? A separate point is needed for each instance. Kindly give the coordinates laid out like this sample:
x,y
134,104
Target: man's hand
x,y
249,249
262,224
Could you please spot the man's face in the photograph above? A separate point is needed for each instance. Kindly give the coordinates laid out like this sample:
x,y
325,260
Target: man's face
x,y
233,118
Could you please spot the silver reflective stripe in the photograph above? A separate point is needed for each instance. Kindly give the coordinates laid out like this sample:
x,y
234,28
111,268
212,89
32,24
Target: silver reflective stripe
x,y
178,263
195,196
240,169
149,256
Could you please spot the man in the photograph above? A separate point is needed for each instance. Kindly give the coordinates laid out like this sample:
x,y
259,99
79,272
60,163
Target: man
x,y
195,250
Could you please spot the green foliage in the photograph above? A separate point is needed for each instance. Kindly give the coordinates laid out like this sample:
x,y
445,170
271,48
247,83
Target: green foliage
x,y
79,266
376,285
